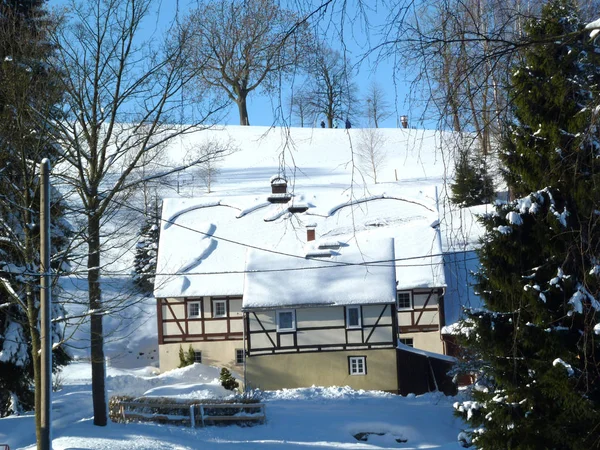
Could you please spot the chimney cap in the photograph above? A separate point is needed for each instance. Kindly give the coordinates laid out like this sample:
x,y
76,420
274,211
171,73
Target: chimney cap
x,y
278,179
311,225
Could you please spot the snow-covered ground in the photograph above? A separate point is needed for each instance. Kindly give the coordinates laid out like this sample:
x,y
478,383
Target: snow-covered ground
x,y
296,418
314,161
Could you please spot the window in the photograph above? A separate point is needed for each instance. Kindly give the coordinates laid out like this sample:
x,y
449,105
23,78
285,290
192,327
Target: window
x,y
286,320
353,319
358,365
407,341
219,308
404,300
197,356
239,356
193,309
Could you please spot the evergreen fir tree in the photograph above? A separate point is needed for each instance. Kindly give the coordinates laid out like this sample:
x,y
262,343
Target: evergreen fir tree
x,y
472,185
539,384
28,99
227,380
146,252
186,358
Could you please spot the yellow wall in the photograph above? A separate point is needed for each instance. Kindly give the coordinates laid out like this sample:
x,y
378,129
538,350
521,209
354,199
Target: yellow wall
x,y
293,370
214,353
430,341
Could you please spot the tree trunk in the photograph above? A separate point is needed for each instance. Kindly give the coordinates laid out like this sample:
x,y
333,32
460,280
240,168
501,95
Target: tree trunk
x,y
32,318
329,121
96,332
243,110
32,299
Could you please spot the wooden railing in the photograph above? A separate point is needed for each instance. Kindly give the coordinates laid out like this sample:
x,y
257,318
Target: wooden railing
x,y
193,414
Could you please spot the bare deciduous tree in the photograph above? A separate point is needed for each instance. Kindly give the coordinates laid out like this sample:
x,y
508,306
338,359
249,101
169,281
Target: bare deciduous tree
x,y
376,107
123,100
241,45
211,152
332,91
370,150
300,107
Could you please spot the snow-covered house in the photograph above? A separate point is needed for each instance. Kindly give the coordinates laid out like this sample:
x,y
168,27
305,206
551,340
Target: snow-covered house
x,y
219,257
327,318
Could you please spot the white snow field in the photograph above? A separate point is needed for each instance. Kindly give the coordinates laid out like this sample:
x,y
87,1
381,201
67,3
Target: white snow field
x,y
315,161
321,418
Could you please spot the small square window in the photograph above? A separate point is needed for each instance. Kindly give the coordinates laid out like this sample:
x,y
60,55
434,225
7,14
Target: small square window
x,y
193,309
197,356
219,308
358,365
407,341
353,319
404,300
239,356
286,320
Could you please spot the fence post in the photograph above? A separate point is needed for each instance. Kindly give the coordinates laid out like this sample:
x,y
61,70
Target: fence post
x,y
192,418
202,414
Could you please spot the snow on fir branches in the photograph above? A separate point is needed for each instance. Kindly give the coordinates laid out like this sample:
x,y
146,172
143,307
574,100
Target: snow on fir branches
x,y
539,383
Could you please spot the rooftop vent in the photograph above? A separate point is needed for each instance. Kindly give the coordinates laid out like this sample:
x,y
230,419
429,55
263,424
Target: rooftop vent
x,y
331,245
298,208
319,254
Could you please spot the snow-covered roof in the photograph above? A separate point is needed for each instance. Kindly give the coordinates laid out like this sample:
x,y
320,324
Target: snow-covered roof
x,y
203,240
358,272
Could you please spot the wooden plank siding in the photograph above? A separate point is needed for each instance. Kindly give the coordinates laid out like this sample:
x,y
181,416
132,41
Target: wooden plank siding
x,y
321,329
175,325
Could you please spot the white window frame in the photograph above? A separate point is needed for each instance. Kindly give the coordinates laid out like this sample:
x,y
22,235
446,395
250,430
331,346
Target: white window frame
x,y
189,311
360,361
348,308
214,305
196,353
237,361
283,311
410,299
411,344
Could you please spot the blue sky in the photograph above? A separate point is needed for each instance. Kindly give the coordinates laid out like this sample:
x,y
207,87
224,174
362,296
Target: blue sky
x,y
261,107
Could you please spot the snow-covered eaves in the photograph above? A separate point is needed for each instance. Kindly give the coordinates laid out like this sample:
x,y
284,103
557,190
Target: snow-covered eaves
x,y
417,351
359,273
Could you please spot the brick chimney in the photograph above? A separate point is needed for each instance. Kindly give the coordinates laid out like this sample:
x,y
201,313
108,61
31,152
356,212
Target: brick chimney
x,y
310,232
404,121
278,184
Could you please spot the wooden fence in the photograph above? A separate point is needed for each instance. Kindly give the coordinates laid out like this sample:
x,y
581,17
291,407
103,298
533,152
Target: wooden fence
x,y
193,414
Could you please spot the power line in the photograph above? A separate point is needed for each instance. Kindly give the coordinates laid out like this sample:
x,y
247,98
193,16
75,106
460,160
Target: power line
x,y
290,269
254,247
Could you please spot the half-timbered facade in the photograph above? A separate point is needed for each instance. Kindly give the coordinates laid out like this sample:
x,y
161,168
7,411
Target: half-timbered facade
x,y
420,318
334,324
212,326
320,297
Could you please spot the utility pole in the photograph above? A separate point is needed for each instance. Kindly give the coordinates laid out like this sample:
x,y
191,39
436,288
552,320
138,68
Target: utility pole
x,y
45,309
